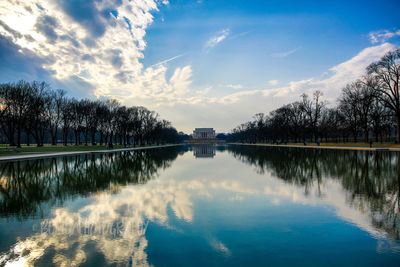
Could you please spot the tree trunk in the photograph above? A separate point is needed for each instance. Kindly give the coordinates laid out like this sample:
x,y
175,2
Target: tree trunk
x,y
65,132
106,140
42,137
19,137
110,144
53,137
93,138
10,135
398,129
28,134
36,136
86,137
76,137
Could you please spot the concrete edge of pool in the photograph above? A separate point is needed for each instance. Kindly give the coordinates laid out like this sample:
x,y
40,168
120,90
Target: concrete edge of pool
x,y
57,154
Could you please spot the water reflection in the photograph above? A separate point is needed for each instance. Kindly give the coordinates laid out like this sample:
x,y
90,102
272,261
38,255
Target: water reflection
x,y
371,180
204,150
98,205
25,185
95,209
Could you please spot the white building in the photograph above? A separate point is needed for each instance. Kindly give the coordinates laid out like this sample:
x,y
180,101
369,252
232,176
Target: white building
x,y
204,133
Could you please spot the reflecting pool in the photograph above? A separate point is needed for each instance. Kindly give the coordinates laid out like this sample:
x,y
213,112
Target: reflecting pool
x,y
202,205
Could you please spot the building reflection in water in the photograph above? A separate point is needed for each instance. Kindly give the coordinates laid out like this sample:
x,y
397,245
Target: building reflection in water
x,y
204,151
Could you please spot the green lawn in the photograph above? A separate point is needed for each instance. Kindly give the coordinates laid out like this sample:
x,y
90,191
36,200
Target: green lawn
x,y
359,144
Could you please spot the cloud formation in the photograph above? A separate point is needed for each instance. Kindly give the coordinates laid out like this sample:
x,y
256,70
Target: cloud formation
x,y
99,44
215,40
382,36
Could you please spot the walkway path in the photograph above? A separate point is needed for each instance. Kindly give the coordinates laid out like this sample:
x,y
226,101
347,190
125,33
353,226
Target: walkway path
x,y
325,147
57,154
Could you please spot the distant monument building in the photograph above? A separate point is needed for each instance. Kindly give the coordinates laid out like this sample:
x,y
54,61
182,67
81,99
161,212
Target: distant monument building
x,y
204,133
203,136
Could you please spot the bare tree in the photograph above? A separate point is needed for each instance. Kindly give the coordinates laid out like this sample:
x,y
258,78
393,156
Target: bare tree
x,y
112,106
66,118
14,109
38,115
387,73
55,105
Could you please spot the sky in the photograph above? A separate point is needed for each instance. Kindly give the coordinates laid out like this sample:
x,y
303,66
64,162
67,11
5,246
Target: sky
x,y
198,63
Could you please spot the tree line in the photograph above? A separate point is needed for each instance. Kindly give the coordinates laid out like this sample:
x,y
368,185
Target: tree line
x,y
367,108
35,112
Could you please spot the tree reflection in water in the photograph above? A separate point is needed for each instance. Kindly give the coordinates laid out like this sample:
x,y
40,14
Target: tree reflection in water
x,y
372,179
26,185
107,221
362,187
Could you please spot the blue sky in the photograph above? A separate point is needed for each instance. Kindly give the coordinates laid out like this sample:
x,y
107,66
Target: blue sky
x,y
198,63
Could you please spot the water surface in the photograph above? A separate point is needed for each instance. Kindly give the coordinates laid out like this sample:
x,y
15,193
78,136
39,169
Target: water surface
x,y
202,205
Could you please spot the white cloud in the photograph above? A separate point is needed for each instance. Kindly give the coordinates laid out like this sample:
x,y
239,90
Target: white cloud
x,y
235,86
382,36
340,75
110,62
180,80
273,82
286,53
215,40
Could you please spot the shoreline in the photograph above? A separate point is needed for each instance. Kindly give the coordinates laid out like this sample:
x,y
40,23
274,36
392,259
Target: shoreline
x,y
58,154
322,147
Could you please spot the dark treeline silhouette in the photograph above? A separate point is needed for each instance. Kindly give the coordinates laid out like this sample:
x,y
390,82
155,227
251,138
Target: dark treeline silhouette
x,y
372,180
34,110
30,187
368,107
